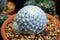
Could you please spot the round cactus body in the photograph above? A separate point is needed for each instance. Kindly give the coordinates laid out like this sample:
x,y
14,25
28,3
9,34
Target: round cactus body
x,y
30,20
2,4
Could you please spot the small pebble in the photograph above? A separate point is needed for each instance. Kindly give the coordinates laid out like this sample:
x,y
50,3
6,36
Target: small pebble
x,y
29,37
58,30
17,36
12,36
8,35
32,36
22,38
13,39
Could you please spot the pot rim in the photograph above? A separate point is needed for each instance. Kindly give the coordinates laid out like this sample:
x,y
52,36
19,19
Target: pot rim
x,y
11,18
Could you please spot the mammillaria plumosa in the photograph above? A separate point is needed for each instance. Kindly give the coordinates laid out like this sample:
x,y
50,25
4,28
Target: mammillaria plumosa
x,y
29,20
2,4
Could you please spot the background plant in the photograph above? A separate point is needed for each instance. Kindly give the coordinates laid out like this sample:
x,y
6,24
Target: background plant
x,y
46,5
2,4
3,17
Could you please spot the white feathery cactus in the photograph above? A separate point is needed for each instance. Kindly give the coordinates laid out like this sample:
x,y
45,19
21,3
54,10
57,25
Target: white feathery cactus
x,y
29,20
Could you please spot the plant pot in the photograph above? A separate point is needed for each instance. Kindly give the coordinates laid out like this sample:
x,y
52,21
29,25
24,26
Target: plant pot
x,y
3,33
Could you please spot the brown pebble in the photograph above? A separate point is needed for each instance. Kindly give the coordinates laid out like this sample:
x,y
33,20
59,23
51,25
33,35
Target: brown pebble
x,y
13,39
58,30
8,35
32,36
22,38
29,36
12,36
17,36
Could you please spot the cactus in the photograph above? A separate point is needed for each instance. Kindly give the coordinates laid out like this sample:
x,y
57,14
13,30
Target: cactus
x,y
47,6
30,2
3,17
2,4
29,20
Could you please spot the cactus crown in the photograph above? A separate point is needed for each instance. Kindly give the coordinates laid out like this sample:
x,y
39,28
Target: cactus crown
x,y
30,19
